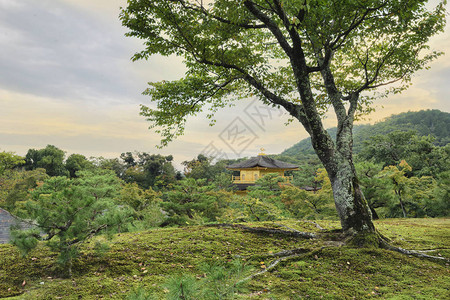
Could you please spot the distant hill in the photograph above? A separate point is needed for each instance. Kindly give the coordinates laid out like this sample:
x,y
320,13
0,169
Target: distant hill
x,y
424,122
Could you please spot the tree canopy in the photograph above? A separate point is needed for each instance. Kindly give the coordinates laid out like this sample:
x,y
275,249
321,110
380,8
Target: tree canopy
x,y
9,160
50,158
265,48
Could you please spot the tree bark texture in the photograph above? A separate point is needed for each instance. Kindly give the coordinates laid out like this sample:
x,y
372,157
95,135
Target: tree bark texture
x,y
351,205
337,158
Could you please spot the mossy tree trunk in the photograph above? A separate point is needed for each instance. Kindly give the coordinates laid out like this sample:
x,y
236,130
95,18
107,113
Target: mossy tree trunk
x,y
336,156
351,205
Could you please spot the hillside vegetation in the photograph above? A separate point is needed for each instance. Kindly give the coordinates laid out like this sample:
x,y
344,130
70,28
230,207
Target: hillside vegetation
x,y
425,122
405,157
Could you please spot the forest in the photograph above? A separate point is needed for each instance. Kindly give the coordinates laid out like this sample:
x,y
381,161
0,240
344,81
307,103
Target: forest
x,y
402,164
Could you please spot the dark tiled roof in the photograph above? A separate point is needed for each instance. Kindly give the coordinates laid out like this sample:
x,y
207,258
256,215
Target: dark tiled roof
x,y
262,161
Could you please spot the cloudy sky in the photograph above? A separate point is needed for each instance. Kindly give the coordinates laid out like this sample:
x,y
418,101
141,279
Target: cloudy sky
x,y
66,79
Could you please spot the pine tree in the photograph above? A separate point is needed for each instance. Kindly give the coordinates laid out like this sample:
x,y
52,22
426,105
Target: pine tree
x,y
67,212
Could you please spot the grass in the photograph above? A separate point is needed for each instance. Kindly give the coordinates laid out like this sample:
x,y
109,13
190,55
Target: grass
x,y
146,260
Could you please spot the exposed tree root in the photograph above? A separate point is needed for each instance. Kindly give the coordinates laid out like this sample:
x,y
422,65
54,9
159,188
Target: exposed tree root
x,y
296,233
386,245
290,252
283,255
268,268
302,252
288,228
430,250
315,224
383,242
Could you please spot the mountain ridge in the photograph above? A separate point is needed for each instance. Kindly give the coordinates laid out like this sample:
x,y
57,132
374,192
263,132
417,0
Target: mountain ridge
x,y
425,122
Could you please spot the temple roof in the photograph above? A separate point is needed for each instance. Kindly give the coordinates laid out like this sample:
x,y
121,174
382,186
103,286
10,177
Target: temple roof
x,y
262,161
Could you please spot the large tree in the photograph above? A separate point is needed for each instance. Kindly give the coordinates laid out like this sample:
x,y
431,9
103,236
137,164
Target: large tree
x,y
50,158
306,56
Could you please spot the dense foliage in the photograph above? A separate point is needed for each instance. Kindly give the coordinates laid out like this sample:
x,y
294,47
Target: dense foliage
x,y
402,174
67,212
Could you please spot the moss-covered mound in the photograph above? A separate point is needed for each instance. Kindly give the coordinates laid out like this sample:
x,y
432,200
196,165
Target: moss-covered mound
x,y
322,269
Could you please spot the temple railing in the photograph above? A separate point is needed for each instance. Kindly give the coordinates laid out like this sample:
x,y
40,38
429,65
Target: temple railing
x,y
239,179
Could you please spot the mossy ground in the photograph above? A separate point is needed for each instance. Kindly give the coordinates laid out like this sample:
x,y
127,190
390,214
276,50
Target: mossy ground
x,y
326,270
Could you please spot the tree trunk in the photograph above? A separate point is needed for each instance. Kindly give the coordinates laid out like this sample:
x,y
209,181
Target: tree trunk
x,y
337,157
374,213
399,194
352,207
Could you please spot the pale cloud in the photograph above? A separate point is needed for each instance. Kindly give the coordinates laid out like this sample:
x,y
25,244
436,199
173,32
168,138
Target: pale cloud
x,y
51,50
106,7
10,4
42,115
267,126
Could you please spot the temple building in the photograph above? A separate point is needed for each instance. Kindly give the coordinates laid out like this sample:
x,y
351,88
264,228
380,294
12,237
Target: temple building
x,y
256,167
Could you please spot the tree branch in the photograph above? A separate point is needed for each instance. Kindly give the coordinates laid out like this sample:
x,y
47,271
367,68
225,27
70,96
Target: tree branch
x,y
355,23
380,64
334,94
89,235
295,110
215,89
271,25
330,47
205,12
296,40
353,105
